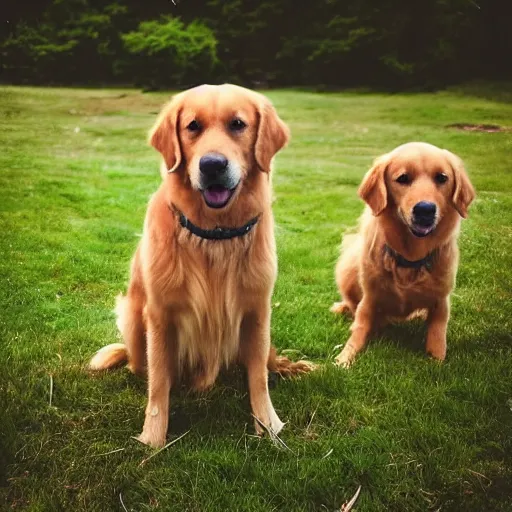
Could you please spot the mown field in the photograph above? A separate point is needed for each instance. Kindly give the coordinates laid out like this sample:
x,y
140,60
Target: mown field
x,y
75,177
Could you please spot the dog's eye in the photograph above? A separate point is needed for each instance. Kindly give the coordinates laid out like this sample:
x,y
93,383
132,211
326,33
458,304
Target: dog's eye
x,y
236,125
193,126
441,178
403,179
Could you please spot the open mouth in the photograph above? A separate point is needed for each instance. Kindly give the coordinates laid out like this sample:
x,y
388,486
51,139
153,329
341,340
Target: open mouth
x,y
421,231
217,196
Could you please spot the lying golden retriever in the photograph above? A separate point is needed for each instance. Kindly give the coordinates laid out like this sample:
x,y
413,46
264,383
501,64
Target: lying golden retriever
x,y
403,261
203,273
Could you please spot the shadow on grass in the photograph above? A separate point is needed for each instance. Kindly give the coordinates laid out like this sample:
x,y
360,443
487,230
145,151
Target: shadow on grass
x,y
227,402
222,410
410,335
6,458
499,92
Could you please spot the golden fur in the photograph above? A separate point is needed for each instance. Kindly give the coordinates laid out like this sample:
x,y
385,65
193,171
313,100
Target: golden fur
x,y
373,288
194,305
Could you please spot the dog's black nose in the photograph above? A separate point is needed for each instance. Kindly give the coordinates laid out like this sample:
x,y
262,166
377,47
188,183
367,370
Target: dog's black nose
x,y
213,163
424,212
424,209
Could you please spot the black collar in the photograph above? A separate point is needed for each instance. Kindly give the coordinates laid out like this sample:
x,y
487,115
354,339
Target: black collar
x,y
427,261
217,233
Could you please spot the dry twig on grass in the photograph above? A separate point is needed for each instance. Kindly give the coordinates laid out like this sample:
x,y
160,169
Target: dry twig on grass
x,y
347,507
122,502
163,448
51,389
273,436
110,453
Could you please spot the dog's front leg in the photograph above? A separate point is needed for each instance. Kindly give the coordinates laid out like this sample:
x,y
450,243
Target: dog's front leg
x,y
436,333
160,348
361,327
254,352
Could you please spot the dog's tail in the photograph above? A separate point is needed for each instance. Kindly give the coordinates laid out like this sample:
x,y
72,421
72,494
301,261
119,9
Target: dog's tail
x,y
109,356
286,368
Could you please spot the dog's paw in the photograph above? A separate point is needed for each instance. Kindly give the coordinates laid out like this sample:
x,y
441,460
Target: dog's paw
x,y
154,431
268,422
436,348
272,428
286,368
341,308
436,353
151,439
338,308
343,362
304,366
345,358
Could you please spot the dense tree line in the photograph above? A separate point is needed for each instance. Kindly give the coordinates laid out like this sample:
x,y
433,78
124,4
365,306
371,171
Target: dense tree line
x,y
166,43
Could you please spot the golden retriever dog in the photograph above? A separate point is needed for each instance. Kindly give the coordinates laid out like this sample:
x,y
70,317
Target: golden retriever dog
x,y
403,261
199,296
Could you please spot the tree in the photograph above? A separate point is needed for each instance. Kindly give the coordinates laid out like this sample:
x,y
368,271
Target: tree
x,y
394,44
166,52
74,42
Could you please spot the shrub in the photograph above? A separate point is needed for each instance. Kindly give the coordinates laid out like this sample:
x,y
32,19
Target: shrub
x,y
166,52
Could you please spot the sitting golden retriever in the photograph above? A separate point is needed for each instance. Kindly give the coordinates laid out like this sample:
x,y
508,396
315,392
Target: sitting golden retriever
x,y
203,273
403,261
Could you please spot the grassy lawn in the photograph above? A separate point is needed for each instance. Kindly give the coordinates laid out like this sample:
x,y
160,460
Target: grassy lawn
x,y
75,176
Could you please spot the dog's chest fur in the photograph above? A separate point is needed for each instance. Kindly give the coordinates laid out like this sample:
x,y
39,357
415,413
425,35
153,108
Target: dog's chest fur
x,y
401,291
207,286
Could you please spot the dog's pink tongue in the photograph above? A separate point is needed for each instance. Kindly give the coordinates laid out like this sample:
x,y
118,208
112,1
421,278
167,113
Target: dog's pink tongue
x,y
216,195
424,230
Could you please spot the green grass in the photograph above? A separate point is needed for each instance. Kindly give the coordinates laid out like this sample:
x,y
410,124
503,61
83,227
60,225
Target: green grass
x,y
415,434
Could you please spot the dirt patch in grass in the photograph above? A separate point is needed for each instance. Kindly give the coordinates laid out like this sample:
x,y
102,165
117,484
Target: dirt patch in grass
x,y
118,103
489,128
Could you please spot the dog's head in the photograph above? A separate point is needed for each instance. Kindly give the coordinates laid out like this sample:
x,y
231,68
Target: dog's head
x,y
422,185
218,136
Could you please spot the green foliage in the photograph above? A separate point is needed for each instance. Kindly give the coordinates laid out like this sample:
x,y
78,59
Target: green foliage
x,y
166,52
74,43
397,44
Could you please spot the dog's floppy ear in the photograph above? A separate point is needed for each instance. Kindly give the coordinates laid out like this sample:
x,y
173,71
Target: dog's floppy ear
x,y
463,191
273,134
373,187
164,134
